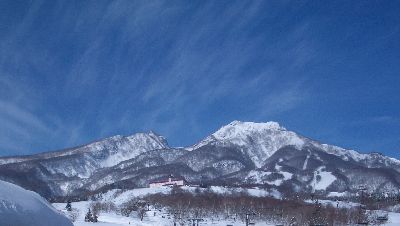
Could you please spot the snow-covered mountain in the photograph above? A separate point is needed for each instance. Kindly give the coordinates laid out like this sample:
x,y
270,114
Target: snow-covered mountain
x,y
258,140
63,171
26,208
261,140
240,153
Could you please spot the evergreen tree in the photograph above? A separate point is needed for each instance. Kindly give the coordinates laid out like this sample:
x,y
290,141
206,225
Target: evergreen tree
x,y
68,207
94,218
89,216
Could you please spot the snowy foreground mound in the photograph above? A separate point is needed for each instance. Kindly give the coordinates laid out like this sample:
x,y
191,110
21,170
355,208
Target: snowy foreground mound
x,y
20,207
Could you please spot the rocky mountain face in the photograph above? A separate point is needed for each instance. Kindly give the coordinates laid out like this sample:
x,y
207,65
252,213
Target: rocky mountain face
x,y
238,154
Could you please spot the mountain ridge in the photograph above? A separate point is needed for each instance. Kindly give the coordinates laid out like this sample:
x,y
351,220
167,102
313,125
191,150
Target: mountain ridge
x,y
237,154
235,122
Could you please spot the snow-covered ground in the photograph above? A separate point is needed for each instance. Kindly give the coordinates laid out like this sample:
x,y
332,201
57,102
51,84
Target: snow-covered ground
x,y
338,204
161,219
154,217
326,179
157,217
394,219
338,194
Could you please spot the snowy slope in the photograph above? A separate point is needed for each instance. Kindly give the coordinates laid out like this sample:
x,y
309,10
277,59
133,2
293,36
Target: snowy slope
x,y
20,207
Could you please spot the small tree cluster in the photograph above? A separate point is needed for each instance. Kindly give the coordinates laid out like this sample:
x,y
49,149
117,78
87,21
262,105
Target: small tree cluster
x,y
98,207
90,217
184,205
138,206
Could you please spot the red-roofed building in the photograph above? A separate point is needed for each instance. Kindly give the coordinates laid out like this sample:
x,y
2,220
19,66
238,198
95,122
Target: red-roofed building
x,y
170,181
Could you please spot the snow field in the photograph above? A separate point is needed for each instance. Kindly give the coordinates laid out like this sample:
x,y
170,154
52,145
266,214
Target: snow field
x,y
161,217
154,217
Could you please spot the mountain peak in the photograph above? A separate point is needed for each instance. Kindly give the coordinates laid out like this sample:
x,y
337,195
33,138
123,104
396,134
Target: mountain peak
x,y
257,125
236,128
258,140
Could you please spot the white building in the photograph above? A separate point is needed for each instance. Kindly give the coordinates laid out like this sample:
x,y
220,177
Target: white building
x,y
170,181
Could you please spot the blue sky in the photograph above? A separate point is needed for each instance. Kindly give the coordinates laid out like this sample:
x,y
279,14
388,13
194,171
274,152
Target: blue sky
x,y
76,71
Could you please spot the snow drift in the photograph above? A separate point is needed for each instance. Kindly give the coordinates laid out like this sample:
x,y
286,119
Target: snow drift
x,y
20,207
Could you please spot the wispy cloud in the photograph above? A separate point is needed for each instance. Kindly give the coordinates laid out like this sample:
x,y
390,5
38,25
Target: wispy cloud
x,y
21,116
76,72
147,65
189,77
376,120
19,123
